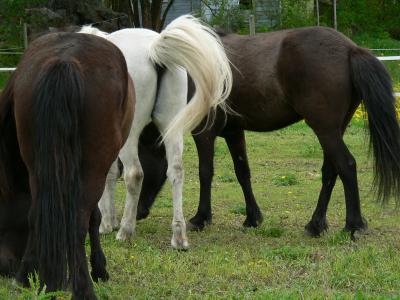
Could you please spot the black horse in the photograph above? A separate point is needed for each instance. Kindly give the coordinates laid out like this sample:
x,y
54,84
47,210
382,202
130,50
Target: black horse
x,y
64,115
315,74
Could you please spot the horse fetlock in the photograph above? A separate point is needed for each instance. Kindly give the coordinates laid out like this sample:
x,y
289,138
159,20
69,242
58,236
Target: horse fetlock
x,y
198,222
101,274
254,218
179,239
356,224
126,232
179,242
314,228
105,228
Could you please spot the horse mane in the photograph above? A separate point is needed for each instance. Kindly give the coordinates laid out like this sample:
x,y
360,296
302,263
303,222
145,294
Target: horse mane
x,y
13,173
88,29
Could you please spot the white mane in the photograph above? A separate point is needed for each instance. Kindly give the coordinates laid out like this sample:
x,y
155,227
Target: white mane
x,y
88,29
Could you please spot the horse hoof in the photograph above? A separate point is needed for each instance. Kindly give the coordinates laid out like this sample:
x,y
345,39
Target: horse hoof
x,y
180,244
102,275
360,225
142,214
124,235
198,224
314,229
105,228
254,221
22,279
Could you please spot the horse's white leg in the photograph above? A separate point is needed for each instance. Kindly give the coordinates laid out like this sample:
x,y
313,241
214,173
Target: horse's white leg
x,y
133,176
175,173
171,99
133,173
106,203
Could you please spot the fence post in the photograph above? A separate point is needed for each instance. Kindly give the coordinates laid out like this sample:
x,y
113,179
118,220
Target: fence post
x,y
317,9
334,15
252,25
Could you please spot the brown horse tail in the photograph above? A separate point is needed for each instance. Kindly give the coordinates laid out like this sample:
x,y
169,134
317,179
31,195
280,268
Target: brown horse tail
x,y
373,85
57,109
7,133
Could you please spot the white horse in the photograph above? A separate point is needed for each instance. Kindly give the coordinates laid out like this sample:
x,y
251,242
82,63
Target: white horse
x,y
184,45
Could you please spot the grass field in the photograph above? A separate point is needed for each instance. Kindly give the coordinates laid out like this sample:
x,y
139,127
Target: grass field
x,y
275,261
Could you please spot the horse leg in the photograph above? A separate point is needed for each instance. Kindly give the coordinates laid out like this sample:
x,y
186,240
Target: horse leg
x,y
205,144
106,204
318,222
175,174
345,166
82,288
29,261
97,258
133,176
237,146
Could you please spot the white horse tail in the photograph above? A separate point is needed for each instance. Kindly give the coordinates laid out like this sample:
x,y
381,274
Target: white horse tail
x,y
188,43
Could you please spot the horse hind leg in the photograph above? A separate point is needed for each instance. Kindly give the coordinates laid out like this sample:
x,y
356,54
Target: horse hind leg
x,y
237,146
205,145
175,173
97,257
318,222
133,176
106,204
345,166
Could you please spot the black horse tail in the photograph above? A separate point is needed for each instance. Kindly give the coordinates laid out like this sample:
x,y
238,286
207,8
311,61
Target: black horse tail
x,y
57,107
373,85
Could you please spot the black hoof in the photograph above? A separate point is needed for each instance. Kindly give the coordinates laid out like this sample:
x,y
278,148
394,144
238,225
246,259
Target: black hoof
x,y
359,226
315,228
142,213
100,274
22,279
254,219
198,223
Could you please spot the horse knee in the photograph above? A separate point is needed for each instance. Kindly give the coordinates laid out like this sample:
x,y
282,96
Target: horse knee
x,y
133,177
175,173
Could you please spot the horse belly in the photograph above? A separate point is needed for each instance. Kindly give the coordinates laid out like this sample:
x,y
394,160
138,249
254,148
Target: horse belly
x,y
265,113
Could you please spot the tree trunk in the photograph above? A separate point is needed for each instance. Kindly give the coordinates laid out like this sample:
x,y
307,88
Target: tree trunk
x,y
150,15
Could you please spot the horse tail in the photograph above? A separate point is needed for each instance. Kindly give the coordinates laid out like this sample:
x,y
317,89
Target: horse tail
x,y
7,140
187,43
57,107
373,85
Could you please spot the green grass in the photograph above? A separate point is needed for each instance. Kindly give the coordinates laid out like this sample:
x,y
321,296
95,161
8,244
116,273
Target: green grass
x,y
275,261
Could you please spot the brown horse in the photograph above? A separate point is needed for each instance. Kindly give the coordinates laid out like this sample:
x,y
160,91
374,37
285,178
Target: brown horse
x,y
64,115
279,78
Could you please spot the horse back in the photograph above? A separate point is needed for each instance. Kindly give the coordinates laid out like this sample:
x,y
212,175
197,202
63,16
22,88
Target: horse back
x,y
276,73
106,108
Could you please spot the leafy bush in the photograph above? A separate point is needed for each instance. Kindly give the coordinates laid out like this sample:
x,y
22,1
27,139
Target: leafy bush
x,y
225,15
296,13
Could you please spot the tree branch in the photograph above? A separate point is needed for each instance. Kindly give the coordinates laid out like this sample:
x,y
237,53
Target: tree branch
x,y
164,17
205,2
